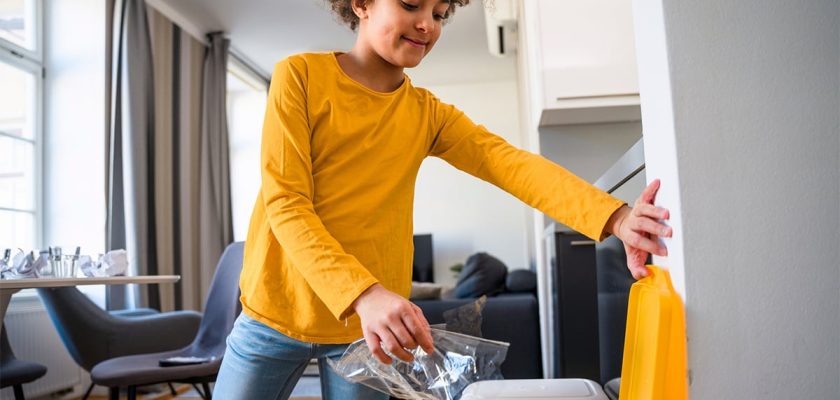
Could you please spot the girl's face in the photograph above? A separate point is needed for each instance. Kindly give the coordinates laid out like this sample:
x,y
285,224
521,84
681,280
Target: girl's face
x,y
402,32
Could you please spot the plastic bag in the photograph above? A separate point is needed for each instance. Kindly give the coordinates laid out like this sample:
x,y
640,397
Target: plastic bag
x,y
458,360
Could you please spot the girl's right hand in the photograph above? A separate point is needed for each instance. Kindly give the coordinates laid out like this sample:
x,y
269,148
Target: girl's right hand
x,y
392,322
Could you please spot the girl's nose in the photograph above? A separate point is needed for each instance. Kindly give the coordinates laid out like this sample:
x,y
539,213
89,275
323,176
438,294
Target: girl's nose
x,y
424,23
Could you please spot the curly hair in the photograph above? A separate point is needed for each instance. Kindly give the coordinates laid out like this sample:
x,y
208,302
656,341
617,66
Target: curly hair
x,y
344,10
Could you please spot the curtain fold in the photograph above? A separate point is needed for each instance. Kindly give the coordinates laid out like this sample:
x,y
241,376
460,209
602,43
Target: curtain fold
x,y
169,180
131,188
216,218
162,34
190,292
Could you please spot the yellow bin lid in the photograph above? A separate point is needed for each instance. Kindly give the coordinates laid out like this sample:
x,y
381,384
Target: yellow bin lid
x,y
654,365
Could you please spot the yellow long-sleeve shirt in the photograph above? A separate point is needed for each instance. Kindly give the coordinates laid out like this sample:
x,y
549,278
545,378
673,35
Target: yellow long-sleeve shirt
x,y
334,212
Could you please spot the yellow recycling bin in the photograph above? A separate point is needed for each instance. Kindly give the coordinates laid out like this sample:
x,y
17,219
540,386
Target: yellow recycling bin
x,y
654,364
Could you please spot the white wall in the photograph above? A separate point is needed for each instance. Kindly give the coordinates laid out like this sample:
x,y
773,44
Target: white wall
x,y
741,105
74,125
588,150
466,215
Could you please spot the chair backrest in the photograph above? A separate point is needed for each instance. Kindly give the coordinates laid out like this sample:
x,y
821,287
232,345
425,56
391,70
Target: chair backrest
x,y
222,305
75,316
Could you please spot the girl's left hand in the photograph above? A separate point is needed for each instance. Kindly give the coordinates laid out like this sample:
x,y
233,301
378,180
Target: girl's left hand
x,y
638,228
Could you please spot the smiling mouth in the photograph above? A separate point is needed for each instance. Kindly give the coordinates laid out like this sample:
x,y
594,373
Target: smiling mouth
x,y
415,43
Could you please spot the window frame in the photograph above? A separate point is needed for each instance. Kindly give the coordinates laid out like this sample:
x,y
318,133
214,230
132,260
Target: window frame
x,y
36,55
32,62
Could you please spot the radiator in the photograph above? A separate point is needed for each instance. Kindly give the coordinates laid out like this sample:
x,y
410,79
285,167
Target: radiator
x,y
34,338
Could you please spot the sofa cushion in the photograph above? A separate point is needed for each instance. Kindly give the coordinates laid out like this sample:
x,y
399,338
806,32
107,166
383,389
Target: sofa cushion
x,y
521,280
482,274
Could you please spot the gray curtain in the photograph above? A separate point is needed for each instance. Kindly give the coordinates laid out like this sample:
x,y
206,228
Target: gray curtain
x,y
191,160
131,186
216,218
182,222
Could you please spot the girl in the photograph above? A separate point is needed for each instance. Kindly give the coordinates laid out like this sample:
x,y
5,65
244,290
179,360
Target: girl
x,y
328,253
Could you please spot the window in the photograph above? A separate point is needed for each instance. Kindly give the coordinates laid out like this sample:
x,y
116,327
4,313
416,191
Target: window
x,y
20,124
246,99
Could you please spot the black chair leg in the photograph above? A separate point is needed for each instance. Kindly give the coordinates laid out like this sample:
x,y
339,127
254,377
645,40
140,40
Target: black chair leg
x,y
207,393
114,393
197,390
132,393
90,388
18,389
172,389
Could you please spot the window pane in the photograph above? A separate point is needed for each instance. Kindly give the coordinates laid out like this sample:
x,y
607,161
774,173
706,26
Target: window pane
x,y
17,230
17,102
17,174
17,22
245,109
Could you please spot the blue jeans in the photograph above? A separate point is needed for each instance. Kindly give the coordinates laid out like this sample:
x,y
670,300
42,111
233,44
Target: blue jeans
x,y
262,363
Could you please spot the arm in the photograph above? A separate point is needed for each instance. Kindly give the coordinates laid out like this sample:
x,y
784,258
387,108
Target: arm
x,y
531,178
552,189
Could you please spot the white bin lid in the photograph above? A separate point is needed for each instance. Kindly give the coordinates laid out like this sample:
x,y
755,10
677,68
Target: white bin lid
x,y
535,389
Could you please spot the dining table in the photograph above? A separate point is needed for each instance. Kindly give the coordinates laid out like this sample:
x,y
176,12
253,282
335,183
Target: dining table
x,y
9,287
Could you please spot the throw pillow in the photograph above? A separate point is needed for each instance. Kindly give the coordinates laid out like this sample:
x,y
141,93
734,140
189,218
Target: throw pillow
x,y
483,274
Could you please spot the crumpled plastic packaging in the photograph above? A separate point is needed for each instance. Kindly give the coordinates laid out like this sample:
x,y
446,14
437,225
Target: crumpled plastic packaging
x,y
23,265
31,265
112,263
458,360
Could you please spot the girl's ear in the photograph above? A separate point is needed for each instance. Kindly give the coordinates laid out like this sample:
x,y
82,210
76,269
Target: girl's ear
x,y
360,8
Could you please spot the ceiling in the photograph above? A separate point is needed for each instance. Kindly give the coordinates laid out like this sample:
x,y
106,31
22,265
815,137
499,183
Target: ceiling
x,y
266,31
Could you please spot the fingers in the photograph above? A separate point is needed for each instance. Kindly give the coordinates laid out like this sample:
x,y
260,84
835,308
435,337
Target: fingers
x,y
404,338
419,327
651,211
639,272
383,339
375,346
649,194
390,343
647,225
646,244
392,324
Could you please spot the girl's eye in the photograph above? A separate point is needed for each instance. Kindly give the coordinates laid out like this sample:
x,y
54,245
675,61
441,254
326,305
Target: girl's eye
x,y
408,6
440,17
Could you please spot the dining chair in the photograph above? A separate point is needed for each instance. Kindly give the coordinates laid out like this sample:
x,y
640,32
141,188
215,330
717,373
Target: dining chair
x,y
92,335
14,372
221,308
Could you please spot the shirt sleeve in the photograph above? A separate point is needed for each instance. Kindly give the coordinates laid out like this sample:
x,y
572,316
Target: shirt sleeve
x,y
531,178
337,277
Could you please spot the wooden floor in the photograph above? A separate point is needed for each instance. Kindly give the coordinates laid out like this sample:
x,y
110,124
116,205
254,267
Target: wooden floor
x,y
166,395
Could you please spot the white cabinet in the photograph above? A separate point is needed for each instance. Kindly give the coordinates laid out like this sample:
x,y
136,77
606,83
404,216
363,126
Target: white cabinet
x,y
586,61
